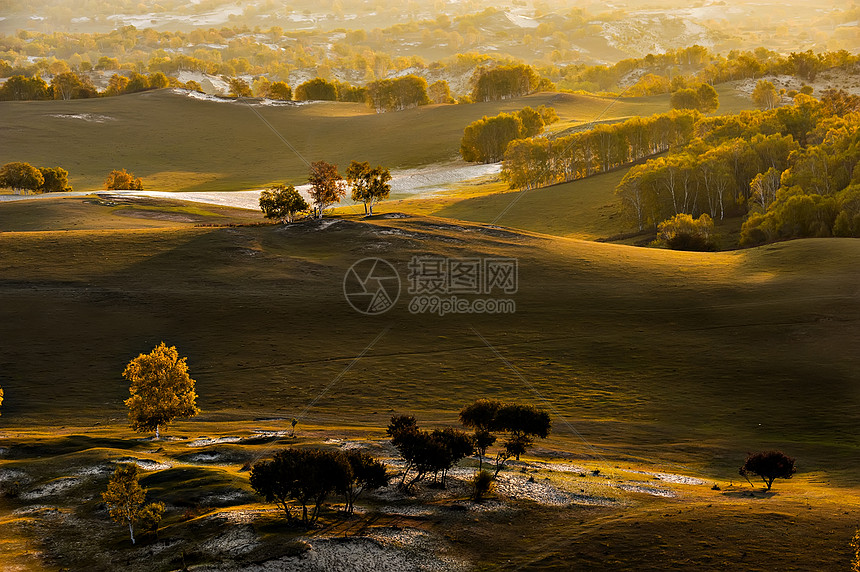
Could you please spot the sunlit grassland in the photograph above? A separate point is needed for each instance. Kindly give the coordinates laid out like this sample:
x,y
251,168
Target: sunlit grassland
x,y
177,143
668,354
95,213
661,360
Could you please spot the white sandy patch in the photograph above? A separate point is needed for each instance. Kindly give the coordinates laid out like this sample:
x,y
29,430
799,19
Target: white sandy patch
x,y
94,471
55,487
522,21
206,441
672,478
384,550
145,464
408,510
559,467
12,475
648,490
90,117
205,457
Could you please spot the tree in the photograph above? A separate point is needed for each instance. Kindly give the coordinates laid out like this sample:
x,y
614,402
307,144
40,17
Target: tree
x,y
279,90
157,80
238,87
368,473
427,451
20,176
1,396
55,180
122,180
440,92
503,82
161,389
521,423
704,98
327,186
117,84
316,90
769,465
282,202
486,139
307,476
480,416
397,94
69,85
124,496
764,95
708,99
368,184
20,88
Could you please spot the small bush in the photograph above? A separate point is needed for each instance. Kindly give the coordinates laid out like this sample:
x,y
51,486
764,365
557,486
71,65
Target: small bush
x,y
683,232
483,484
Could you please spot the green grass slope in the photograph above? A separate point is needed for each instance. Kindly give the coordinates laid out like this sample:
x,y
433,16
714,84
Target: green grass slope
x,y
178,143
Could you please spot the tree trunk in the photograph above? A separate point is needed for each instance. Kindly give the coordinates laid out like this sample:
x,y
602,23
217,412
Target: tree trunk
x,y
157,433
131,531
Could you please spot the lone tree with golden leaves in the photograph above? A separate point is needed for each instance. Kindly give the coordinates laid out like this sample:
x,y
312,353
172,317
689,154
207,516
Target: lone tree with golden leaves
x,y
124,496
161,389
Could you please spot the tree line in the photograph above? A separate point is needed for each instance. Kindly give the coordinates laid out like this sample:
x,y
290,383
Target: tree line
x,y
486,139
538,162
792,171
23,177
368,185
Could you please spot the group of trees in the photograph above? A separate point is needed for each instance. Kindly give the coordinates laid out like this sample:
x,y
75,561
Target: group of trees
x,y
398,93
486,139
435,452
72,85
503,82
369,185
538,162
703,98
791,169
310,476
24,177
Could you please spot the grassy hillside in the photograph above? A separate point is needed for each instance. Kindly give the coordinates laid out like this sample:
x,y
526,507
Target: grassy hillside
x,y
660,360
178,143
746,338
92,213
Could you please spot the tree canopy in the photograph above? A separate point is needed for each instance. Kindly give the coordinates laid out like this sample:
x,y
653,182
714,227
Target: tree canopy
x,y
327,186
282,202
769,465
316,89
369,185
125,499
397,94
120,179
161,389
20,176
307,476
